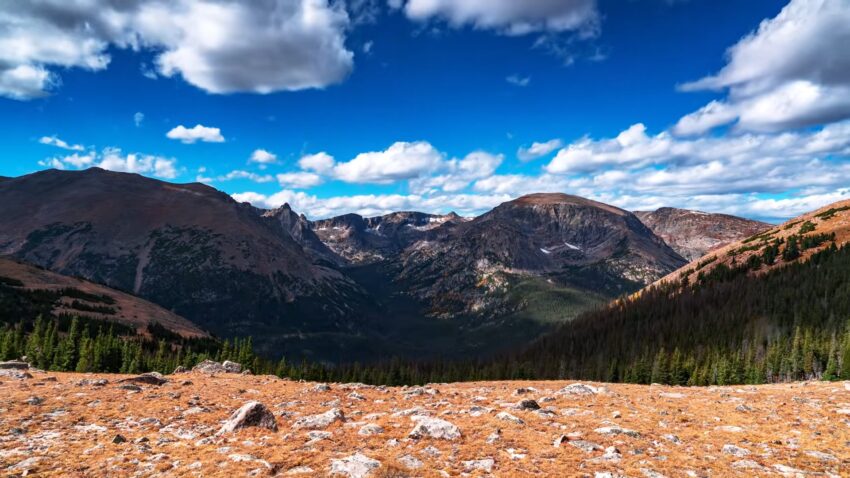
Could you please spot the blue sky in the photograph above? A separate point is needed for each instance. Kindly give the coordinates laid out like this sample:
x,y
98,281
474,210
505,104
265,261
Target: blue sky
x,y
429,104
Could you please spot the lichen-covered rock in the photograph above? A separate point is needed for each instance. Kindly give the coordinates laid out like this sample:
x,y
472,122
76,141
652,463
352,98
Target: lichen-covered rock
x,y
427,427
322,420
354,466
252,414
152,378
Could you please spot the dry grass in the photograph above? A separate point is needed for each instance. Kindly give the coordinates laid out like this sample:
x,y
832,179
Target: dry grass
x,y
71,432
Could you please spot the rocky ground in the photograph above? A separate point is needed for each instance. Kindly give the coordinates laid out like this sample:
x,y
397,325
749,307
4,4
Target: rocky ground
x,y
227,424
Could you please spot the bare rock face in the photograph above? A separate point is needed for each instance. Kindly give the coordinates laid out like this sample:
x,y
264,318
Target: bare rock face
x,y
694,233
354,466
252,414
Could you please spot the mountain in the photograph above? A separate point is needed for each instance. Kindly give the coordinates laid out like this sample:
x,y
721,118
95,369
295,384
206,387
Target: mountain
x,y
694,233
540,258
772,307
31,291
363,240
187,247
555,239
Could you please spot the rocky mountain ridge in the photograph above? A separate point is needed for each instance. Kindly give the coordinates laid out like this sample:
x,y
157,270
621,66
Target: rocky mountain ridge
x,y
694,233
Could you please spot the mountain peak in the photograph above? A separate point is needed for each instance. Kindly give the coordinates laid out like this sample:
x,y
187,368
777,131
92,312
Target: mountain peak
x,y
556,199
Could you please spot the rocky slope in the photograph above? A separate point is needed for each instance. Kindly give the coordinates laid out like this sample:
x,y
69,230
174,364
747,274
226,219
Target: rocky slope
x,y
566,240
186,247
828,220
361,240
82,298
57,424
694,233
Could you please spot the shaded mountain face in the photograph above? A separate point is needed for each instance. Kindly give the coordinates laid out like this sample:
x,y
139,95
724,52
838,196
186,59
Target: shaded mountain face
x,y
361,240
76,297
189,248
694,233
558,239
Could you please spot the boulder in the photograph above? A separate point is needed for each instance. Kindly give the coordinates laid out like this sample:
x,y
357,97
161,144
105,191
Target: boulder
x,y
14,365
354,466
322,420
209,366
578,389
528,404
152,378
231,367
252,414
427,427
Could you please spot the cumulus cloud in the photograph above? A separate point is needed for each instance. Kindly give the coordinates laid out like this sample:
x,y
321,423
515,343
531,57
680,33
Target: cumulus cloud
x,y
322,163
791,72
138,117
114,159
55,141
299,180
400,161
456,174
538,150
196,133
220,46
511,17
240,174
262,156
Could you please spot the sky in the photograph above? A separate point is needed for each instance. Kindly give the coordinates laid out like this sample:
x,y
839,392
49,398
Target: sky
x,y
372,106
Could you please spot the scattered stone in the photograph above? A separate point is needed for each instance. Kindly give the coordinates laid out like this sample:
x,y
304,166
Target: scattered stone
x,y
672,439
410,462
617,431
231,367
528,404
322,420
494,437
130,387
485,465
119,439
747,465
616,414
252,414
14,365
34,401
322,387
152,378
356,396
585,446
370,430
427,427
354,466
822,456
15,373
729,428
651,473
735,451
509,418
785,470
578,389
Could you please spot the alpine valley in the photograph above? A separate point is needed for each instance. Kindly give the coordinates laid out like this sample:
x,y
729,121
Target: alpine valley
x,y
346,288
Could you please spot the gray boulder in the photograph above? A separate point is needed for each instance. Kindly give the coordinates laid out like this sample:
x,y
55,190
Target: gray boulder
x,y
252,414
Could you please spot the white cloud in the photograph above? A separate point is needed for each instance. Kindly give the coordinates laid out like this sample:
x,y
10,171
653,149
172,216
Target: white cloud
x,y
456,174
263,157
517,80
195,134
55,141
220,46
299,180
113,160
240,174
793,71
538,150
511,17
372,204
321,162
400,161
138,118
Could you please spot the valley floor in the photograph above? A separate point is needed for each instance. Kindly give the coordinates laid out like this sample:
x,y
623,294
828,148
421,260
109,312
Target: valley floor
x,y
59,424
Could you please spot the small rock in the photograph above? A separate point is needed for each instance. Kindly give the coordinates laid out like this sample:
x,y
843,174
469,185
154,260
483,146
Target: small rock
x,y
735,451
252,414
528,404
370,430
509,418
231,367
152,378
179,369
322,420
494,437
427,427
300,470
585,446
410,462
130,387
617,431
354,466
34,401
485,465
118,439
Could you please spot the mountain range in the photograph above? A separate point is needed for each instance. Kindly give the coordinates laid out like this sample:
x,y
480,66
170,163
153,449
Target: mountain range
x,y
349,287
